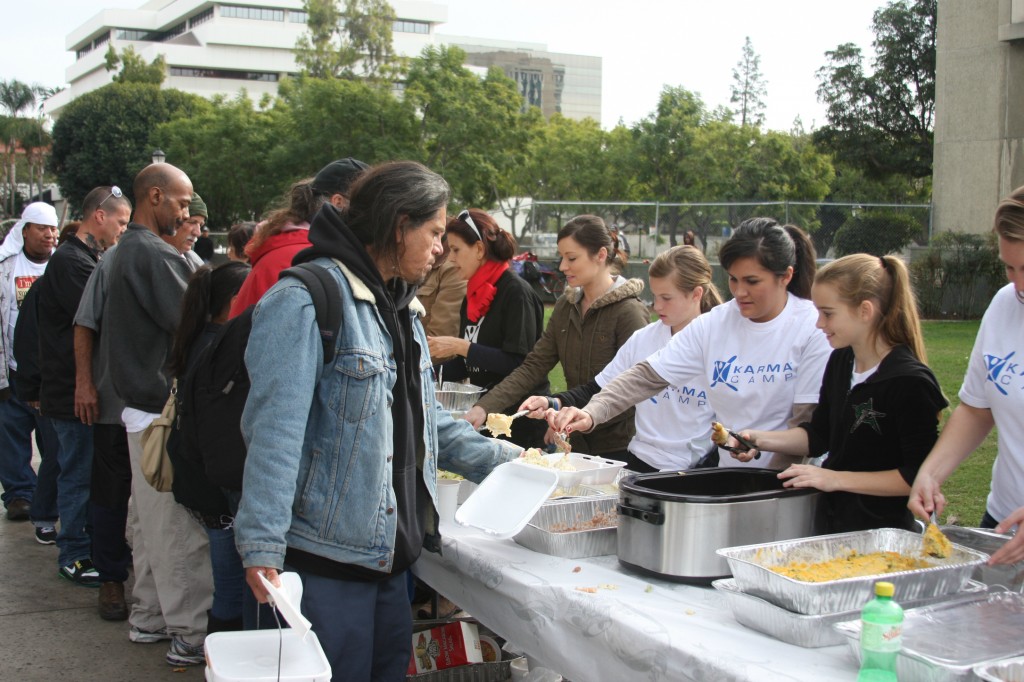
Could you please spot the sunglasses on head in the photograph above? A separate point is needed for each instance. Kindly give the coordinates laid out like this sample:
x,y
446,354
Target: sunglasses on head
x,y
115,191
468,219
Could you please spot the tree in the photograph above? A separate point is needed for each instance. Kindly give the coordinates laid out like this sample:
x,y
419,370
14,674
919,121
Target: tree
x,y
15,98
878,232
337,40
134,68
883,122
464,123
226,152
104,137
749,87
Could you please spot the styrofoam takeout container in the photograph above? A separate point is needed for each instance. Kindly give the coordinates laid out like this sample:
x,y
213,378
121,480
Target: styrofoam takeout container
x,y
588,469
507,499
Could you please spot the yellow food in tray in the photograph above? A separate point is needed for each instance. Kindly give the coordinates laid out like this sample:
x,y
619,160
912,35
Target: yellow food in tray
x,y
935,543
853,565
535,456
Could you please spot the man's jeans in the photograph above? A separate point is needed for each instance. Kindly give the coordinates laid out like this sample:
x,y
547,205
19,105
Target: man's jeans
x,y
17,422
75,458
228,575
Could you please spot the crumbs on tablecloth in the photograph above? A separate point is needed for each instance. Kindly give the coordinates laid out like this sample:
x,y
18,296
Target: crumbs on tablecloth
x,y
577,569
593,590
588,590
690,612
649,588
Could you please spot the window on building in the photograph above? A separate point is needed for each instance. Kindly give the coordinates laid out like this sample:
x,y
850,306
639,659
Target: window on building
x,y
82,51
189,72
171,32
132,34
201,18
409,26
256,13
100,40
297,17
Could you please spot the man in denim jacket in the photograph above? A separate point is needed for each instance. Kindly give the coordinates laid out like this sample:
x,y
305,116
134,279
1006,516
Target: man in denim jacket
x,y
342,459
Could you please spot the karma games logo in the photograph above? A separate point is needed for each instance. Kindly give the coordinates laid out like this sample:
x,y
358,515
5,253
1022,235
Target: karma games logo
x,y
734,374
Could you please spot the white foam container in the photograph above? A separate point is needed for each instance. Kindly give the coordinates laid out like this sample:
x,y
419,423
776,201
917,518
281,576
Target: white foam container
x,y
588,469
507,499
252,657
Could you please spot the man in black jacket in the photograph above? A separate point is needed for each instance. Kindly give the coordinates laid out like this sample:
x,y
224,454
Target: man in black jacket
x,y
107,213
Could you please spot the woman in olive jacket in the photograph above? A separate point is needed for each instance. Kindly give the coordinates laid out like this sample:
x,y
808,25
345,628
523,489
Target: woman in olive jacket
x,y
599,311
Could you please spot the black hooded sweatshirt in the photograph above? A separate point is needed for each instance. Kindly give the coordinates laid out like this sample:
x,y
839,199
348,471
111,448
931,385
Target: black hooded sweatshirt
x,y
889,421
331,237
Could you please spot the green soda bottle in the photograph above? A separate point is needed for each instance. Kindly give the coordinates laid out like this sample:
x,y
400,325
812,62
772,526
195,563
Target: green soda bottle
x,y
880,636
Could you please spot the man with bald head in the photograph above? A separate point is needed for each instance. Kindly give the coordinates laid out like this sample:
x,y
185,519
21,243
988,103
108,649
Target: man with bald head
x,y
147,279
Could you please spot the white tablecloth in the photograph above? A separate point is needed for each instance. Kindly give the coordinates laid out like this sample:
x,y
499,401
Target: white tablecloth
x,y
643,629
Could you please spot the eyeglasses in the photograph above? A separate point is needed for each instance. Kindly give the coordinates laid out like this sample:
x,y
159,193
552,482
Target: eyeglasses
x,y
468,219
115,191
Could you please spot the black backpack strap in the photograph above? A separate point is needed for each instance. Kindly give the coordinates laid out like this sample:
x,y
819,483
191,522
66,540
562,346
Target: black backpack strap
x,y
326,301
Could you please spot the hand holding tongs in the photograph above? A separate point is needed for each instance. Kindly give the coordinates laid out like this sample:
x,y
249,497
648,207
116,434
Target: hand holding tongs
x,y
747,445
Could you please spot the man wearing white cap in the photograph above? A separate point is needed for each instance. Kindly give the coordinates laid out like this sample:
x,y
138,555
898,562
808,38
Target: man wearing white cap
x,y
23,258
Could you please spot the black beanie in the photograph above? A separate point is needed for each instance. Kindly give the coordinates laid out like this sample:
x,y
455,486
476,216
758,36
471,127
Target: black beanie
x,y
337,176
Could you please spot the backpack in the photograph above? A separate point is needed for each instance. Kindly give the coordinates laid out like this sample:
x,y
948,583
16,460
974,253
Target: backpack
x,y
217,385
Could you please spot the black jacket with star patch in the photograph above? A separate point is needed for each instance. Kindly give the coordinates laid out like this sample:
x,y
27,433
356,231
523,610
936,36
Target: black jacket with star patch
x,y
889,421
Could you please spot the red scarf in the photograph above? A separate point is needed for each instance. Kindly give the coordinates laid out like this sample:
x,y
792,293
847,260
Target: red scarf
x,y
480,290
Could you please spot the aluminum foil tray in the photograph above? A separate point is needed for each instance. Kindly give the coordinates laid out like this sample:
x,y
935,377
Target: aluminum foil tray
x,y
750,567
1010,670
808,631
945,642
454,396
495,671
576,544
1010,576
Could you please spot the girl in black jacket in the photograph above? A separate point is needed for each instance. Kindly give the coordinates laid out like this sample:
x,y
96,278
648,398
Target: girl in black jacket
x,y
878,413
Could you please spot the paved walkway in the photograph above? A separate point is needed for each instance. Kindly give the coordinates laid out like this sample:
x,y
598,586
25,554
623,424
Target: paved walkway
x,y
49,627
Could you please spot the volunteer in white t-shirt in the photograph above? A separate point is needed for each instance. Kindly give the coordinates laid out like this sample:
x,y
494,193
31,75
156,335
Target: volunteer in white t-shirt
x,y
673,426
760,353
992,395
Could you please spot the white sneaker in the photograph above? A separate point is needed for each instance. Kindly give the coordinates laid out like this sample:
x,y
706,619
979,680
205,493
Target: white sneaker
x,y
146,637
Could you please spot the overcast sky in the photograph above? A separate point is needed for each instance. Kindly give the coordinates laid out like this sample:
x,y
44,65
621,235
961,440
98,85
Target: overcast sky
x,y
645,44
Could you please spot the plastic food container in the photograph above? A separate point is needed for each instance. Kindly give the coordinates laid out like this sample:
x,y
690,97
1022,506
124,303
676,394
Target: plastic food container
x,y
808,631
542,534
1010,670
588,469
252,656
945,642
750,567
507,499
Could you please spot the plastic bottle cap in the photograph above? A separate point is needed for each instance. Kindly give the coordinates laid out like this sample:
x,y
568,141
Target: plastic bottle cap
x,y
884,589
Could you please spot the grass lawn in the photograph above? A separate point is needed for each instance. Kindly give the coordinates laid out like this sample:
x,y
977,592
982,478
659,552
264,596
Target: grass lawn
x,y
949,347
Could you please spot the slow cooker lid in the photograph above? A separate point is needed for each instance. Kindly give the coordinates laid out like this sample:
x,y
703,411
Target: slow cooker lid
x,y
710,486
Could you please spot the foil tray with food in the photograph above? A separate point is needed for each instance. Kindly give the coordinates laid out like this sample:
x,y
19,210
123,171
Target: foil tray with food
x,y
755,568
946,642
809,631
1010,576
574,469
1009,670
573,528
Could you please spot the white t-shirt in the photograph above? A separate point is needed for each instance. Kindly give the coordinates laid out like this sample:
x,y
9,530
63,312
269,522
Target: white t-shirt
x,y
673,428
25,273
995,381
755,371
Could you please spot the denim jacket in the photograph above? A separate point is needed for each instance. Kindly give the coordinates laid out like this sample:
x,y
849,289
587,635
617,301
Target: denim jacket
x,y
317,474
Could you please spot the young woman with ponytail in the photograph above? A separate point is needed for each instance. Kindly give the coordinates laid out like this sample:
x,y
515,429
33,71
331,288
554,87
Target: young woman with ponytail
x,y
204,310
878,413
672,429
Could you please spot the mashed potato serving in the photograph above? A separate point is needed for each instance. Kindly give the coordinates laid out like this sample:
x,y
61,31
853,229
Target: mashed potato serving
x,y
853,565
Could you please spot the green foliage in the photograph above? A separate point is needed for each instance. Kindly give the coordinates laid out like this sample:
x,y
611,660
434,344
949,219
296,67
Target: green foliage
x,y
465,125
134,68
878,232
957,269
350,43
105,136
749,87
882,122
226,152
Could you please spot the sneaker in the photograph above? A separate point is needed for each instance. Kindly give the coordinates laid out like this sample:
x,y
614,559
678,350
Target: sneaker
x,y
182,653
47,535
17,510
146,636
81,573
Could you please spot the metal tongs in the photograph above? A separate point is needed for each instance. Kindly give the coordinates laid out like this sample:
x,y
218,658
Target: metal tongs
x,y
747,445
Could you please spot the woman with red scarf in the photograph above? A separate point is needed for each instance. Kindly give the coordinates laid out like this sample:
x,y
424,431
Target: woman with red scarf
x,y
502,317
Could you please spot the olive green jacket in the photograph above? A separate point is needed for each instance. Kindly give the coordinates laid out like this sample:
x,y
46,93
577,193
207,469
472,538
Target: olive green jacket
x,y
584,345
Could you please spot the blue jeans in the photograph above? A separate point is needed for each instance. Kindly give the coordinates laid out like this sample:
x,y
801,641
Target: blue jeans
x,y
17,422
75,458
228,574
365,628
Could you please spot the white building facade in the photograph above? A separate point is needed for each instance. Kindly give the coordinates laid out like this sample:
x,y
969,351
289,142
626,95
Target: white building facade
x,y
220,48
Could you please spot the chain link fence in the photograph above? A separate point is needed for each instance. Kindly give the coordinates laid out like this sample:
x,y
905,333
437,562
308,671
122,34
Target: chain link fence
x,y
651,227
